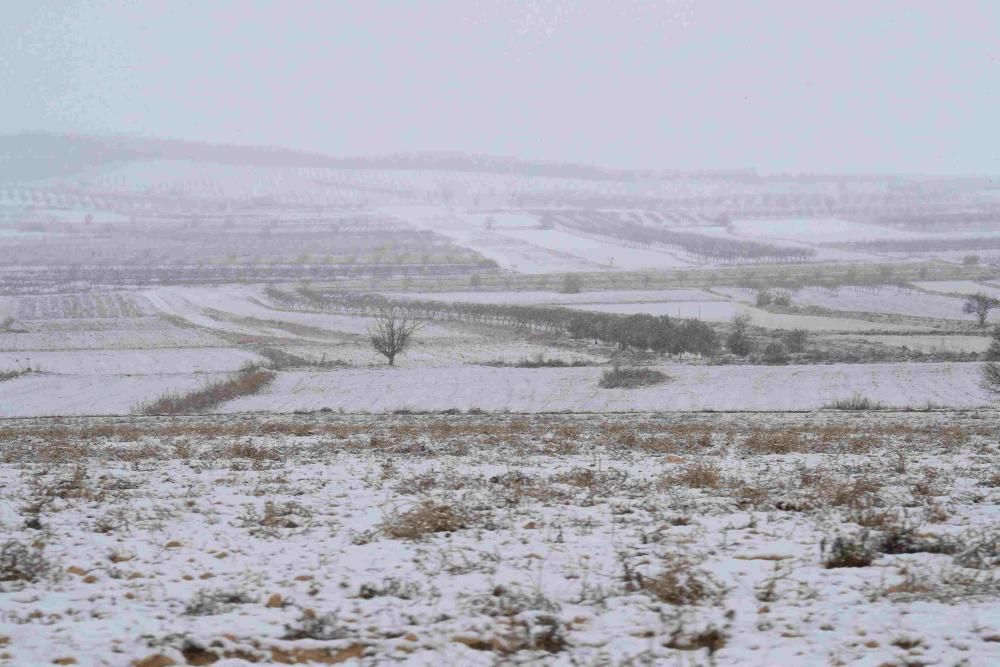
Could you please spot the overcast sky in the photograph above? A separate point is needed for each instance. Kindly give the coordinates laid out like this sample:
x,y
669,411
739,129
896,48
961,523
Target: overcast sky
x,y
797,85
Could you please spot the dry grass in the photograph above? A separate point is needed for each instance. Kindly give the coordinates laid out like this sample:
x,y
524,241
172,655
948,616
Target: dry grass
x,y
248,381
425,519
698,475
679,582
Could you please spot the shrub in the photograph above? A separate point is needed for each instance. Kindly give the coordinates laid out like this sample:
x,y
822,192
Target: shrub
x,y
699,475
426,518
905,540
22,563
849,551
324,627
855,402
795,340
209,603
630,378
775,354
989,376
981,552
572,284
680,583
538,361
250,380
738,341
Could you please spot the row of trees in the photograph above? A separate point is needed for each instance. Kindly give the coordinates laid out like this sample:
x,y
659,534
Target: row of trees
x,y
703,247
660,334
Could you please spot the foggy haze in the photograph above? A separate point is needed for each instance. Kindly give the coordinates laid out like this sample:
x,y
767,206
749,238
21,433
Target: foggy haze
x,y
780,86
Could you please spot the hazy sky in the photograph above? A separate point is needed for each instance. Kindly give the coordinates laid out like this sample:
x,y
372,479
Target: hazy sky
x,y
797,85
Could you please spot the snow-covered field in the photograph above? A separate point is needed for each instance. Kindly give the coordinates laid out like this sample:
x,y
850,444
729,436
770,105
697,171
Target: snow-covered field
x,y
39,395
129,362
820,230
888,300
485,541
959,287
602,253
576,390
509,253
931,343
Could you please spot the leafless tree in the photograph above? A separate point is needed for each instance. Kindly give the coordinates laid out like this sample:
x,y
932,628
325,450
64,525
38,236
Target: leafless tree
x,y
980,305
392,331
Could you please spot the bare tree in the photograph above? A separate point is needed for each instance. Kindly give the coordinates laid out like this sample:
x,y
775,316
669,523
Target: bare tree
x,y
391,332
980,305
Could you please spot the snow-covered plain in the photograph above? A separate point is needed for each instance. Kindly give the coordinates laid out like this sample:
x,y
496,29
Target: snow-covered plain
x,y
888,300
575,389
42,394
959,287
129,362
485,541
601,252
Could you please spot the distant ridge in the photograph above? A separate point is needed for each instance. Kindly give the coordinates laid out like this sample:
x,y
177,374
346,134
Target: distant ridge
x,y
43,155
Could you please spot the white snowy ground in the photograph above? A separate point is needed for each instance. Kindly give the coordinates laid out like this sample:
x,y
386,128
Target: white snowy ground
x,y
46,394
889,300
931,343
601,252
959,287
129,362
504,541
576,390
821,230
508,253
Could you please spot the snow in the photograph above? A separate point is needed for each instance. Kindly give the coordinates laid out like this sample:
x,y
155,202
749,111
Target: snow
x,y
605,254
959,287
129,362
565,526
965,344
575,389
887,300
508,253
41,394
820,230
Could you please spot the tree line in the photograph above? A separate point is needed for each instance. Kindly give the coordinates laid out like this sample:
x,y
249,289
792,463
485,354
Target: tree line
x,y
703,247
660,334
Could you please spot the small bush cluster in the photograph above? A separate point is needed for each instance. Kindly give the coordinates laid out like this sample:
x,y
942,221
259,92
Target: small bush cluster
x,y
538,361
679,582
427,518
323,627
630,378
21,563
849,551
250,380
209,603
855,402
